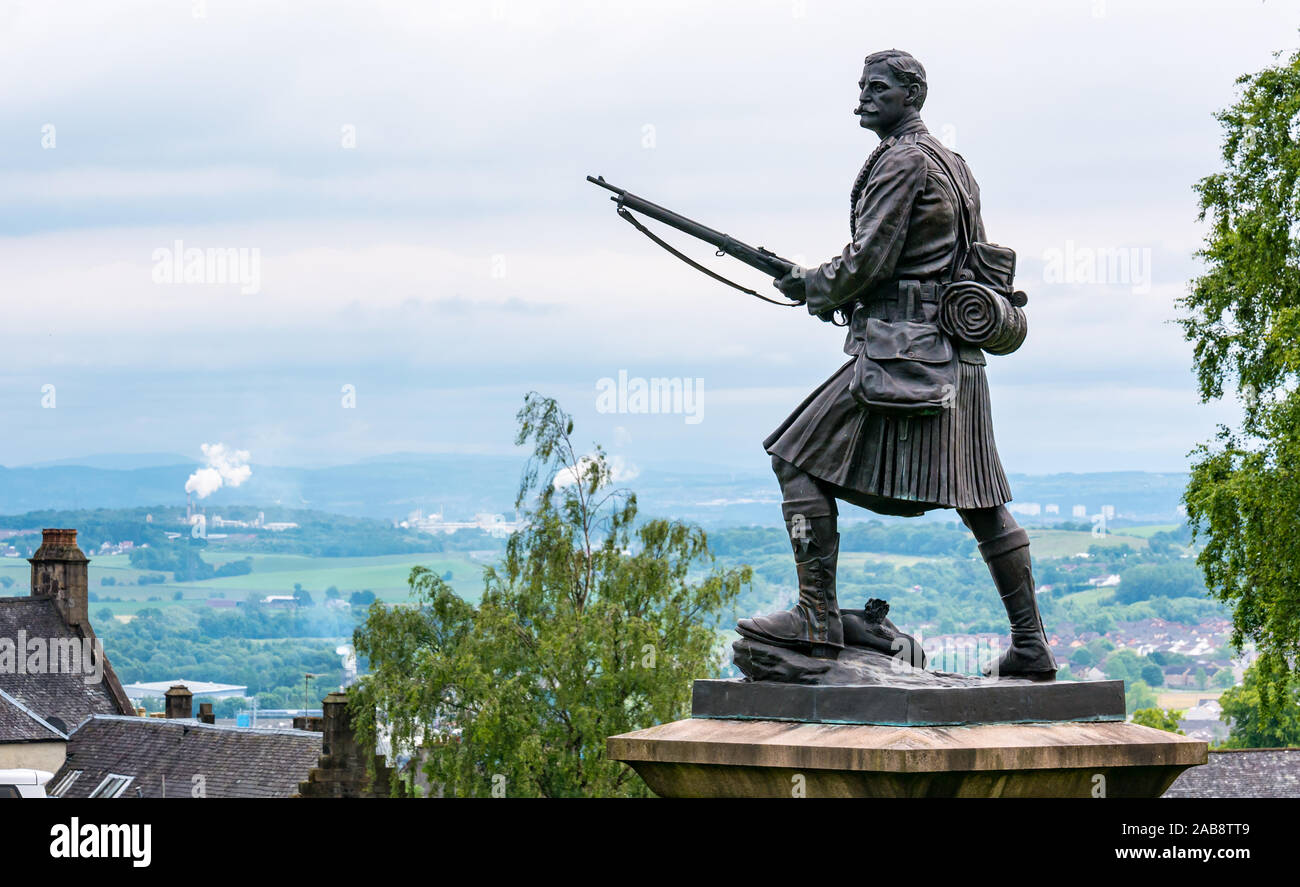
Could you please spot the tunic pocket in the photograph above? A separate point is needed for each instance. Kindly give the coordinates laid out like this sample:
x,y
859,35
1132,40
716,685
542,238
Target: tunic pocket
x,y
903,368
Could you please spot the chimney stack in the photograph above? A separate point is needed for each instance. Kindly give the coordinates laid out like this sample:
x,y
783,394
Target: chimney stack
x,y
205,713
343,770
180,702
59,571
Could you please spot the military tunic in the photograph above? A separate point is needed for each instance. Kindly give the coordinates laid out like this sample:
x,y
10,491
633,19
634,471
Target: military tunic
x,y
905,229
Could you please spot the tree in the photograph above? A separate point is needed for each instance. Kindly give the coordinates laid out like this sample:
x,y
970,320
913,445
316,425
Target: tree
x,y
1243,318
1254,727
1099,647
1145,581
1138,695
1160,718
592,625
1153,674
1123,665
1222,678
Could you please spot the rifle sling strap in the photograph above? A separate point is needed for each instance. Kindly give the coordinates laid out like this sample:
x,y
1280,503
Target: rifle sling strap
x,y
696,265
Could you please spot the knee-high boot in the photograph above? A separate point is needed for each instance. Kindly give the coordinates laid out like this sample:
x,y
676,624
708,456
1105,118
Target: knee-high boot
x,y
1030,656
813,624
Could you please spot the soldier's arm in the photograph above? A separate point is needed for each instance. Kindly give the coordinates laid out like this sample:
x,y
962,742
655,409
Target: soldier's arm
x,y
884,210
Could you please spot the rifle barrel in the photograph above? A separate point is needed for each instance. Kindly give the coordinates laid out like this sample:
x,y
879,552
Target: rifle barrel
x,y
756,257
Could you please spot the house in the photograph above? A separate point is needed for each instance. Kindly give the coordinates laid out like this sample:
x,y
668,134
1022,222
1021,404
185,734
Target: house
x,y
178,756
280,601
1242,773
53,670
28,741
1203,721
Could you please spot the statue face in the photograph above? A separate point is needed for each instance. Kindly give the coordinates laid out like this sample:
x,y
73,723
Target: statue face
x,y
884,99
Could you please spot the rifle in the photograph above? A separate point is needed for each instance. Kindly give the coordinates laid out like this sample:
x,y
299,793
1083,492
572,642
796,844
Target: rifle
x,y
755,256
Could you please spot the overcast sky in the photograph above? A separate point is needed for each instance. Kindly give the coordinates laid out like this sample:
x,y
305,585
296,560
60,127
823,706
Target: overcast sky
x,y
411,175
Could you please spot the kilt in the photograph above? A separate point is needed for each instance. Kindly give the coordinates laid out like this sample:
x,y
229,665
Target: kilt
x,y
897,465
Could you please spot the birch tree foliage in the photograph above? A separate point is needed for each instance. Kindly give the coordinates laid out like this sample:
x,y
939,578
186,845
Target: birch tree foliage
x,y
593,624
1243,318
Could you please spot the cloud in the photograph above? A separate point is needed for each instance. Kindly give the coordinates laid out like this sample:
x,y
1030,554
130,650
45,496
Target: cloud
x,y
456,258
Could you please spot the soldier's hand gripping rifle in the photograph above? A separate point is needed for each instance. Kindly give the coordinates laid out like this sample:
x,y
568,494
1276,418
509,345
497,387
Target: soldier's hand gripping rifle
x,y
755,256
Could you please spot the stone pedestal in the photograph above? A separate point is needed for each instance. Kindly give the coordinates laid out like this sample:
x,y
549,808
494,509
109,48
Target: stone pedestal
x,y
940,701
888,742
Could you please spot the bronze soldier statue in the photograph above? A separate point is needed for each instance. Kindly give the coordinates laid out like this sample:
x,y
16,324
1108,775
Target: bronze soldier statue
x,y
886,432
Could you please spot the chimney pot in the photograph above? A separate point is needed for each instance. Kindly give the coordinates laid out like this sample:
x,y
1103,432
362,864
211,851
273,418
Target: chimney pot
x,y
179,702
205,713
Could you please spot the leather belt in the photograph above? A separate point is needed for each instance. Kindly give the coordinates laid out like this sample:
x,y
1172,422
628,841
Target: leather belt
x,y
906,297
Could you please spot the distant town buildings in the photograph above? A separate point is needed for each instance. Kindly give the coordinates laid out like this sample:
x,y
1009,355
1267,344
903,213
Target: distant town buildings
x,y
1203,721
1034,509
1104,581
217,522
280,601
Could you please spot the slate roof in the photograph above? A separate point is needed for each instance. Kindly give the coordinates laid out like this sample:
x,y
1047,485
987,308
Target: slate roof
x,y
18,723
1242,773
235,762
66,697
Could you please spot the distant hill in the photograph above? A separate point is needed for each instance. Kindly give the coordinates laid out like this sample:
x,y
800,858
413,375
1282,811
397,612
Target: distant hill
x,y
117,461
461,485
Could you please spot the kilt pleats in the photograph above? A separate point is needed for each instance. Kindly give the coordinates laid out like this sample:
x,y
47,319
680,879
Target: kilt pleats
x,y
896,464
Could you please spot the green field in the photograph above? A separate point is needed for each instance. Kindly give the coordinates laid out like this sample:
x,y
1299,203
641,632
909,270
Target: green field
x,y
859,559
385,575
1088,597
1147,531
1184,699
1067,543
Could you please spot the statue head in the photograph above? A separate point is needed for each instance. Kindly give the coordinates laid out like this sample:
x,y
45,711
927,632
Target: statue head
x,y
892,90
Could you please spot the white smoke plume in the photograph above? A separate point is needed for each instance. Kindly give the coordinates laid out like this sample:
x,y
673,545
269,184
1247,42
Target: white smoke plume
x,y
225,467
620,471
